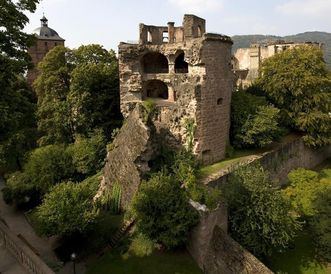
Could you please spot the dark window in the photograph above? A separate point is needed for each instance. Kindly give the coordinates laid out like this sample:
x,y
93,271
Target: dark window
x,y
55,44
219,101
180,65
155,62
156,89
46,44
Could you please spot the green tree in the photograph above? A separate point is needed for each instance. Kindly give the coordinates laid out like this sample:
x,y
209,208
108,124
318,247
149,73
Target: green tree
x,y
68,209
259,216
320,223
254,123
16,100
297,82
17,124
78,91
13,41
52,88
302,191
261,129
162,211
88,154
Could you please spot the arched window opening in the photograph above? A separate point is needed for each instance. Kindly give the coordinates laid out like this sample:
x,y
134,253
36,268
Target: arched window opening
x,y
149,37
180,65
156,89
199,31
155,62
165,37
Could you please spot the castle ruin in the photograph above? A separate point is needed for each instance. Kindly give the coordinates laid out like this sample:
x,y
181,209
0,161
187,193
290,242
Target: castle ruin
x,y
187,73
247,61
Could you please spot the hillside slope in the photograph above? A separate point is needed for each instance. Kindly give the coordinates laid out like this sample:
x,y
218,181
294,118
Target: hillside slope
x,y
243,41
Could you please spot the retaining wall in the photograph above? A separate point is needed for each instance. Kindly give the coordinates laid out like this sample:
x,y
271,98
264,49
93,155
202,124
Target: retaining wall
x,y
22,253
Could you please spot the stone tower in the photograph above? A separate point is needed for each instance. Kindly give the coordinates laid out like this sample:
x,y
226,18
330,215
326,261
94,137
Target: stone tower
x,y
187,73
47,39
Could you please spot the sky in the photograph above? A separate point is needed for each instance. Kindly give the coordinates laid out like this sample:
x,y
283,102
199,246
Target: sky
x,y
108,22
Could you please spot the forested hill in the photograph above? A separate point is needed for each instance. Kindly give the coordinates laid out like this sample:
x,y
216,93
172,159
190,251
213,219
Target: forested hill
x,y
243,41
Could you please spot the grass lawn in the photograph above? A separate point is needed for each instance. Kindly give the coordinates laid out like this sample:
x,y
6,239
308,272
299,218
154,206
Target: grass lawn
x,y
299,260
178,262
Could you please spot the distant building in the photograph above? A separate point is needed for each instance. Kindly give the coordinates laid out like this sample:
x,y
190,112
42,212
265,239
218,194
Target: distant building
x,y
47,39
246,61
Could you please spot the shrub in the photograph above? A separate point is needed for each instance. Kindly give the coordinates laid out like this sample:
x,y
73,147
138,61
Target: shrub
x,y
20,191
162,211
48,166
68,209
259,216
88,154
141,246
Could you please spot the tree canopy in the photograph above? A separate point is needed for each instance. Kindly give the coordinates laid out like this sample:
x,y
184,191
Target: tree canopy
x,y
17,101
259,216
297,82
78,91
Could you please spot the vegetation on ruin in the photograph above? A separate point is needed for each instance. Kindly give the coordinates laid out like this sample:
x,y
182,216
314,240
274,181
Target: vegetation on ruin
x,y
297,82
259,216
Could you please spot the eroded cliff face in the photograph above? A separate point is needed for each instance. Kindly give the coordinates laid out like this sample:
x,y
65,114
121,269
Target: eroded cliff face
x,y
128,156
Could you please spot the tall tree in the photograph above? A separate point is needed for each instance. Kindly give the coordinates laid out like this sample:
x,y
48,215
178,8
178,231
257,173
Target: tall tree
x,y
13,41
78,91
297,82
17,102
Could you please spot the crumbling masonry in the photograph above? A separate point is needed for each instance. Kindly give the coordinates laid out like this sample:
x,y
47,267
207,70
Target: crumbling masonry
x,y
187,73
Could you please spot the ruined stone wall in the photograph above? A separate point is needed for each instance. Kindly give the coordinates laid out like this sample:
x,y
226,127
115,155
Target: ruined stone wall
x,y
201,235
214,118
127,158
225,256
279,162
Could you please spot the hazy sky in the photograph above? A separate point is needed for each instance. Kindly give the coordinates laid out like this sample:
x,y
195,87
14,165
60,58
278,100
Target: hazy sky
x,y
108,22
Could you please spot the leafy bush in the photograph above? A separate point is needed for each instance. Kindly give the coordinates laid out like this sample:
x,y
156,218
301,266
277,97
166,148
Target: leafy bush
x,y
162,211
88,154
68,209
260,129
259,216
48,166
141,246
149,108
20,191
